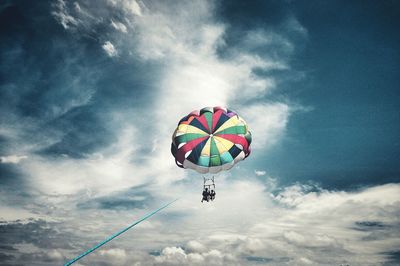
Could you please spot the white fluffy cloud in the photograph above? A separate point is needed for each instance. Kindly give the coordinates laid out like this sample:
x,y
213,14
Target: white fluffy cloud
x,y
260,172
110,49
178,256
119,26
98,174
14,159
115,254
130,6
267,122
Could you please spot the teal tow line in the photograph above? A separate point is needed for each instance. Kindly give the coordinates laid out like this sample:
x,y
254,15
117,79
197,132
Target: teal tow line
x,y
117,234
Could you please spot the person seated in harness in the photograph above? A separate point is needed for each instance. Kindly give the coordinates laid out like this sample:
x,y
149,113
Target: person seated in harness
x,y
212,194
206,195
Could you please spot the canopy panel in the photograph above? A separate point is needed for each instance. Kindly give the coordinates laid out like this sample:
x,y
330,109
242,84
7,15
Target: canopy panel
x,y
210,140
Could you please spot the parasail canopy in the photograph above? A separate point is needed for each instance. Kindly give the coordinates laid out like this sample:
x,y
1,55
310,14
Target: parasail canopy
x,y
210,140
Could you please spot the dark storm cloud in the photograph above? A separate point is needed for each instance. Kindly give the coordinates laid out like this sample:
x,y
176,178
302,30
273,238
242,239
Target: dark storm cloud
x,y
84,132
121,204
37,259
10,175
59,86
5,257
47,236
4,247
19,237
259,259
14,191
42,78
393,256
121,201
155,253
369,225
40,233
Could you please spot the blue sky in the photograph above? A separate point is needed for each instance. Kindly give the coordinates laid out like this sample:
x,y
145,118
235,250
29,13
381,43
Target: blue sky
x,y
91,93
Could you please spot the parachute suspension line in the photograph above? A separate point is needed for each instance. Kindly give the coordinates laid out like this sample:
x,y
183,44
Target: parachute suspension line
x,y
117,234
208,185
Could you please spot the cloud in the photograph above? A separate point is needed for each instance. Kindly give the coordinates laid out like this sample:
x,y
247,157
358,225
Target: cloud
x,y
267,123
62,15
36,232
393,257
110,49
12,213
119,26
275,230
130,6
260,172
134,198
117,255
178,256
195,246
14,159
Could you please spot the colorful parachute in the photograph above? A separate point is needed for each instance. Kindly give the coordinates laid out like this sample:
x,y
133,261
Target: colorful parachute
x,y
210,140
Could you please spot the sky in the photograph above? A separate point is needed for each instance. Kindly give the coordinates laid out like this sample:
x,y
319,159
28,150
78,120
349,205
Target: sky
x,y
91,92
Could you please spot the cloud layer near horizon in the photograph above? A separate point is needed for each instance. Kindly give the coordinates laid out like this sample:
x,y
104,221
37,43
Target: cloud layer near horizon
x,y
293,226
